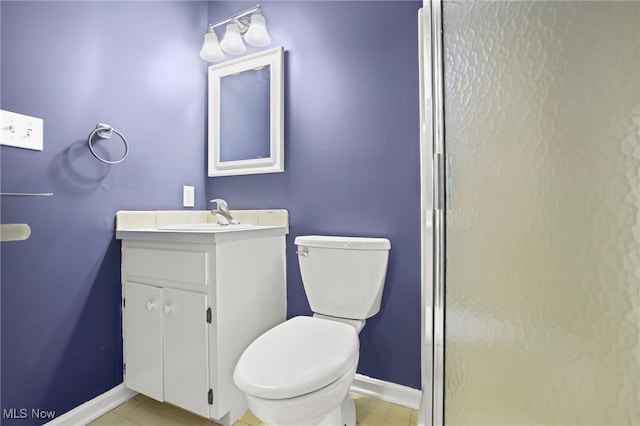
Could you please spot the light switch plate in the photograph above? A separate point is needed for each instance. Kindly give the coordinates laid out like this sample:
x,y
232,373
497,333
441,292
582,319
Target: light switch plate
x,y
21,131
188,196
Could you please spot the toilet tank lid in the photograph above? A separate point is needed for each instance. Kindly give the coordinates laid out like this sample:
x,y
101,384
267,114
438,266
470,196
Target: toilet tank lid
x,y
353,243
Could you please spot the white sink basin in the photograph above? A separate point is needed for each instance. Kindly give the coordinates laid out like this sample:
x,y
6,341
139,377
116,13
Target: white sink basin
x,y
207,227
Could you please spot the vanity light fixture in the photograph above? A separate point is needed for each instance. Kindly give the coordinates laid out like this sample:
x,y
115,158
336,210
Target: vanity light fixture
x,y
249,23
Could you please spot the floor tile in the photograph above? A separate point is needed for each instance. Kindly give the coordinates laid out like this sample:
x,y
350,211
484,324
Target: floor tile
x,y
379,407
250,420
123,421
399,412
372,418
188,418
125,408
105,420
146,415
144,411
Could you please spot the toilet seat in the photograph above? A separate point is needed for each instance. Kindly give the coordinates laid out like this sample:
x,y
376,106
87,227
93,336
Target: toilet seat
x,y
297,357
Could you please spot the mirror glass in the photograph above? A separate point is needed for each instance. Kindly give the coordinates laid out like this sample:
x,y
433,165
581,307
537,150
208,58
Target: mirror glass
x,y
246,115
244,97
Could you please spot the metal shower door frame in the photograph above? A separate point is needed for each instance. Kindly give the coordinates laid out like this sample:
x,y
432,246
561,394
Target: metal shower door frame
x,y
432,184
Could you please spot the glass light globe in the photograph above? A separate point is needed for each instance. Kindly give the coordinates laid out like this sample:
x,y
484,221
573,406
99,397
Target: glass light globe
x,y
257,34
232,40
211,51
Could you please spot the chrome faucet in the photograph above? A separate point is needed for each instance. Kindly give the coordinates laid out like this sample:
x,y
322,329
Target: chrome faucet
x,y
221,210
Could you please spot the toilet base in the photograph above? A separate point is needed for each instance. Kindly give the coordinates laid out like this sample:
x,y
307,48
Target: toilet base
x,y
310,409
343,415
348,412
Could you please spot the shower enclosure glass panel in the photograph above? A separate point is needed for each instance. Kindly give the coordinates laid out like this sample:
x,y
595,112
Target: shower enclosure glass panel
x,y
542,145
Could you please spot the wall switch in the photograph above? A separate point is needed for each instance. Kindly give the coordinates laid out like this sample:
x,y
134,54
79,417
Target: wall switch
x,y
21,131
188,196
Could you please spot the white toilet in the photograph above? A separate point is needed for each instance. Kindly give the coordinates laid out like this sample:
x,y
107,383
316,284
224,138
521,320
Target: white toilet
x,y
299,373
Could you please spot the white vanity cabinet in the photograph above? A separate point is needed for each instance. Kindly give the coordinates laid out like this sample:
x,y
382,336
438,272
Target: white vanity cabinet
x,y
192,302
166,349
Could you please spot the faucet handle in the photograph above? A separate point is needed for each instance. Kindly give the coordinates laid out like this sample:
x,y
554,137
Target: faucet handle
x,y
222,210
221,204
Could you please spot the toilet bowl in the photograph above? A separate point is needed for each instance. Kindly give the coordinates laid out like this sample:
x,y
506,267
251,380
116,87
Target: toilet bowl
x,y
299,373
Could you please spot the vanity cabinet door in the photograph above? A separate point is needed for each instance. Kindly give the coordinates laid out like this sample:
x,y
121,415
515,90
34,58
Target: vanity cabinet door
x,y
186,359
143,339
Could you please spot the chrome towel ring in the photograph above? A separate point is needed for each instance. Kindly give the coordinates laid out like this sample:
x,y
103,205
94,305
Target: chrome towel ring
x,y
105,131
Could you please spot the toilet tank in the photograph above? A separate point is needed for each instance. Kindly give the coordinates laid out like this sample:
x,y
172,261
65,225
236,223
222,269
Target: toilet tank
x,y
343,276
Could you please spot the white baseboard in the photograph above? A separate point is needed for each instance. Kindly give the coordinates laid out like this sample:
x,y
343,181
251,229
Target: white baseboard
x,y
386,391
94,408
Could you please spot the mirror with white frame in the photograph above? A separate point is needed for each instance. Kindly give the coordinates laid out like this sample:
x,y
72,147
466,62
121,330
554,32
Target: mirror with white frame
x,y
246,115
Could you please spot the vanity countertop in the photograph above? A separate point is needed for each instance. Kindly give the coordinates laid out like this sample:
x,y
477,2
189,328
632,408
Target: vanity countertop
x,y
199,226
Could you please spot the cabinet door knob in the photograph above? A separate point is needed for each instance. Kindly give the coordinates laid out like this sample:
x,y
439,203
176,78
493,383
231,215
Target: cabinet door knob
x,y
167,309
150,306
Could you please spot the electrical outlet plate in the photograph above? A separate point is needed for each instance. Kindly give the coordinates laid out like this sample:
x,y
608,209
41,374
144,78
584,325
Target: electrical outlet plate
x,y
188,196
21,131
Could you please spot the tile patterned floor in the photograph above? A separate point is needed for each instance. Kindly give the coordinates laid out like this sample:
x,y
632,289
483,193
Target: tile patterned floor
x,y
144,411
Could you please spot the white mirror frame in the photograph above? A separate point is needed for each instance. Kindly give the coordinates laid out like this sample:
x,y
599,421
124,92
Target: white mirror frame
x,y
275,162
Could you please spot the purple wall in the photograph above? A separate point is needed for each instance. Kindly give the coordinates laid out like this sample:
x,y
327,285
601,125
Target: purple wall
x,y
352,153
133,65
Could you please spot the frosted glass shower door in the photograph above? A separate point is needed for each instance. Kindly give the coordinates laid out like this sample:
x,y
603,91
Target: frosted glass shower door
x,y
542,148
